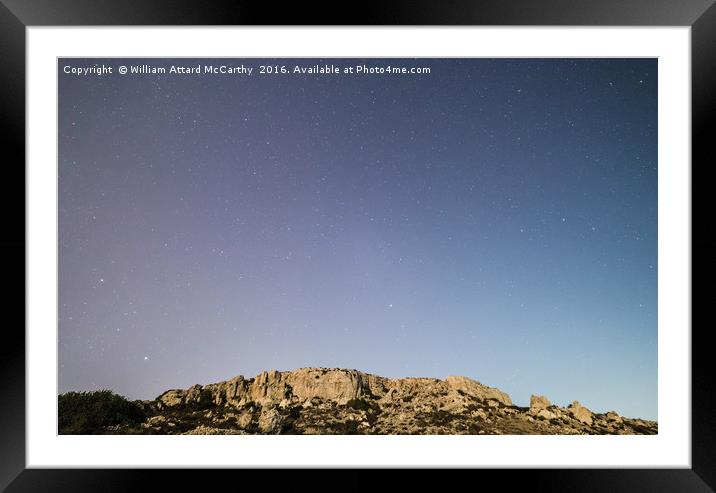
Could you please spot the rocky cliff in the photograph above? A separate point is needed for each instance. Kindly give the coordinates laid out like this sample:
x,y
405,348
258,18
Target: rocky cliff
x,y
338,401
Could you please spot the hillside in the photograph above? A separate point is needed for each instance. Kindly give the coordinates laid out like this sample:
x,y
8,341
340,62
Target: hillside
x,y
339,401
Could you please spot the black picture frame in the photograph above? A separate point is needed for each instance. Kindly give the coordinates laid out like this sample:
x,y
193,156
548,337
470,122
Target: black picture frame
x,y
16,15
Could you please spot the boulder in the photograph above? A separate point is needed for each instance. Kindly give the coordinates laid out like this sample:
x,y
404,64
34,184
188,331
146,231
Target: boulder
x,y
479,413
172,398
537,403
580,413
244,421
156,420
546,414
270,421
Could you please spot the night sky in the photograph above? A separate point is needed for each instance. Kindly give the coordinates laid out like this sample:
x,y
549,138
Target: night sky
x,y
496,218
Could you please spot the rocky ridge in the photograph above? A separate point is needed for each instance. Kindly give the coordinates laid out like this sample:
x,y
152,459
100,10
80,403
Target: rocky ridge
x,y
339,401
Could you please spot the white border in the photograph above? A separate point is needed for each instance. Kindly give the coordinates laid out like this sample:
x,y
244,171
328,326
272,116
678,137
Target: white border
x,y
670,448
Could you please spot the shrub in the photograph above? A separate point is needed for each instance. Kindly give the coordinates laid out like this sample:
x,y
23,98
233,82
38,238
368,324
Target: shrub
x,y
86,413
358,404
206,400
349,427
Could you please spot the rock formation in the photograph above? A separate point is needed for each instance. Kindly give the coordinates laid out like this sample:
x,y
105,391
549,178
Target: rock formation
x,y
540,407
537,403
581,413
275,388
338,401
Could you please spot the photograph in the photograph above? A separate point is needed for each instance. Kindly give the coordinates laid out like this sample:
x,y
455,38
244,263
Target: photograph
x,y
401,236
357,246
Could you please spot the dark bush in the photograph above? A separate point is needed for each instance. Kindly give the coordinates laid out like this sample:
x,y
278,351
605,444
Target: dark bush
x,y
87,413
349,427
288,427
358,404
206,400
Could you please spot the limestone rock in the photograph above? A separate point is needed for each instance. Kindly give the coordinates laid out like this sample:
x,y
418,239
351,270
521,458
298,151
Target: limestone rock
x,y
333,385
580,413
454,406
193,394
270,421
232,392
199,396
340,386
476,389
537,403
546,414
244,420
269,388
156,420
172,398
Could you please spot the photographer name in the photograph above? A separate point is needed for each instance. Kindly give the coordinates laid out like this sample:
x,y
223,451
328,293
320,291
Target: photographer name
x,y
191,69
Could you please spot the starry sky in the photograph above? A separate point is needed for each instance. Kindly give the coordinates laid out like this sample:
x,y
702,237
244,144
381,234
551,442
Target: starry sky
x,y
495,218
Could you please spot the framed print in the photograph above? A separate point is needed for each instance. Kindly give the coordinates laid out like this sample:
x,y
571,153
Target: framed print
x,y
418,237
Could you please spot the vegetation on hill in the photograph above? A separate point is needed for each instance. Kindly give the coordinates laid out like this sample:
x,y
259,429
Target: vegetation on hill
x,y
83,413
